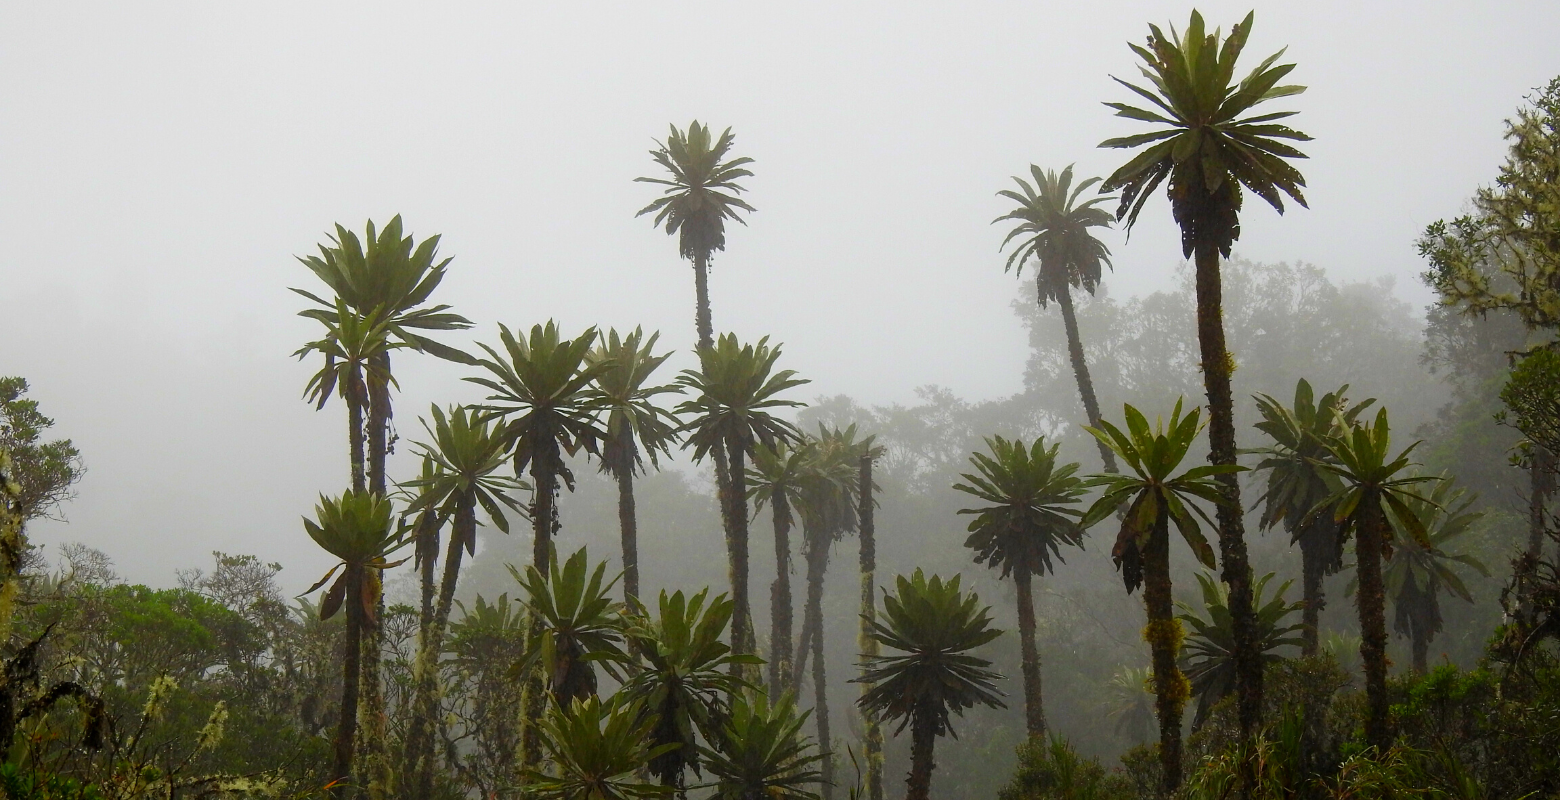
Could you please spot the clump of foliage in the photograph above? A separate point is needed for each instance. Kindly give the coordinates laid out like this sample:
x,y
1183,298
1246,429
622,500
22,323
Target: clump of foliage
x,y
1050,769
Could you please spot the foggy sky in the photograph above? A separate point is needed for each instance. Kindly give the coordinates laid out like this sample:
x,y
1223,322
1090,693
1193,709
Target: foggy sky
x,y
164,162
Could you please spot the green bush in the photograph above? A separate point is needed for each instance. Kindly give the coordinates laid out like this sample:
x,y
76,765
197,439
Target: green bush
x,y
1052,770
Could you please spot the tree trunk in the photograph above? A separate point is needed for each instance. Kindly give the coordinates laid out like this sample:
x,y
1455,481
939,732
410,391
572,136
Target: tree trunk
x,y
379,413
1080,365
628,524
420,745
428,525
1164,641
701,290
544,513
1217,364
1034,711
821,716
1371,596
1421,644
356,395
923,738
872,732
371,709
1311,573
351,672
780,599
742,615
812,616
723,476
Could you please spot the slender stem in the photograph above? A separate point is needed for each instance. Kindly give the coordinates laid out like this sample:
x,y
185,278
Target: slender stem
x,y
1034,710
780,597
351,666
872,731
812,616
1217,365
923,740
1164,641
357,394
629,526
701,288
741,618
1080,365
1371,597
379,413
821,717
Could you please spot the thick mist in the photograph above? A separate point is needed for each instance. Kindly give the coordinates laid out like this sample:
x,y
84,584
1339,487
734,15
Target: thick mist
x,y
166,162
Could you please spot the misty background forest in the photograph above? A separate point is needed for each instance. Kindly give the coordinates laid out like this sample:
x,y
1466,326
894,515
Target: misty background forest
x,y
1250,527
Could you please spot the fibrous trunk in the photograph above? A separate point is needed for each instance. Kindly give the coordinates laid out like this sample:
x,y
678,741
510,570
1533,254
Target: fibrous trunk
x,y
629,526
812,615
923,740
821,716
357,396
379,413
420,750
1163,633
351,672
872,732
1311,573
1034,711
544,513
811,644
1080,365
741,613
1368,539
701,290
1217,365
780,599
375,769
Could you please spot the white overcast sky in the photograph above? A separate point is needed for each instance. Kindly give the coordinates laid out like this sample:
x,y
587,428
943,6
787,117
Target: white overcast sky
x,y
164,162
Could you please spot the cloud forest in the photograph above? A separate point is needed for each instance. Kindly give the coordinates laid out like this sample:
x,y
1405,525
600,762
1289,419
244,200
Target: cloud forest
x,y
1264,533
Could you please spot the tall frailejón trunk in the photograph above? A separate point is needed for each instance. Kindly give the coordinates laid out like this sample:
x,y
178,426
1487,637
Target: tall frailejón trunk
x,y
1369,538
544,522
872,731
371,707
1421,645
1034,711
1080,365
736,497
1312,569
375,769
628,525
821,716
780,598
379,413
1217,364
427,532
351,673
811,644
422,729
357,395
724,477
1163,633
923,741
817,553
701,299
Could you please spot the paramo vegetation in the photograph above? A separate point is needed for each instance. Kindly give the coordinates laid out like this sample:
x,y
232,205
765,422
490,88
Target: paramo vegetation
x,y
1263,535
